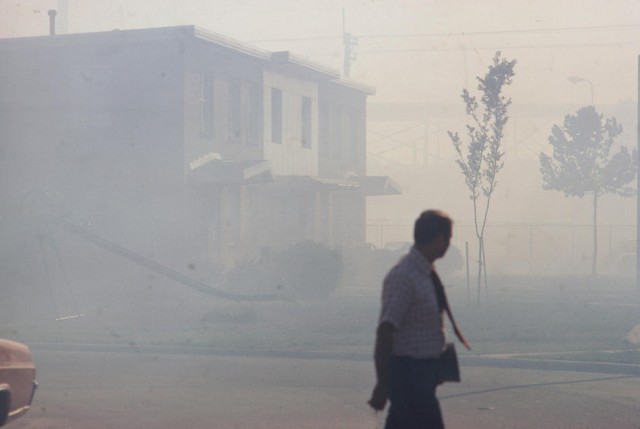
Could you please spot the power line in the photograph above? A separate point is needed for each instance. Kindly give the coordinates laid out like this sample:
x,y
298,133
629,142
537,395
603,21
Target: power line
x,y
296,39
593,28
532,46
502,32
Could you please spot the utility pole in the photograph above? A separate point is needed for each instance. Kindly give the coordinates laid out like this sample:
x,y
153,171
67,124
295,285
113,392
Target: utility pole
x,y
349,43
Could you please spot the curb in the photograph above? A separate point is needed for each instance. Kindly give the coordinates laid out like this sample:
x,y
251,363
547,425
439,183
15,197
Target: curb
x,y
465,361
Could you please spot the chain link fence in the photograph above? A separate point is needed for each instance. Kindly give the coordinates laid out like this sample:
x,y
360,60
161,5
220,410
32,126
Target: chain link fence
x,y
531,248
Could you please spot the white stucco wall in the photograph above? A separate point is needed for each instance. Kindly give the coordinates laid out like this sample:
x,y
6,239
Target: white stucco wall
x,y
290,157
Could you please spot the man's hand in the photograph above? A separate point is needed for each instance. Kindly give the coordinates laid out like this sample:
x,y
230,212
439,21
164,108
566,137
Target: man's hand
x,y
462,338
379,398
382,355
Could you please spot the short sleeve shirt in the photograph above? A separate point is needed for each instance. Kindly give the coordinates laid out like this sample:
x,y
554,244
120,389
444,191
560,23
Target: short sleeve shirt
x,y
410,304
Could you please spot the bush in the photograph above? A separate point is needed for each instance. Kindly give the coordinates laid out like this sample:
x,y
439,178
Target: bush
x,y
251,277
310,269
366,266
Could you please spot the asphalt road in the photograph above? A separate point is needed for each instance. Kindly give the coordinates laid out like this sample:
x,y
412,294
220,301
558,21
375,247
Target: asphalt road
x,y
106,389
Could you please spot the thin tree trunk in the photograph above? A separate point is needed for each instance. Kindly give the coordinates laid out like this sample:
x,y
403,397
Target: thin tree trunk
x,y
480,256
481,242
466,258
484,269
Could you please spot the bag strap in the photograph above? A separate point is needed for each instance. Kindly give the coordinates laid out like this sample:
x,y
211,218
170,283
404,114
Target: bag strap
x,y
442,297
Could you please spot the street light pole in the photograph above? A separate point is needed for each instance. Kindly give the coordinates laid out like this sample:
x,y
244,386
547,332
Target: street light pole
x,y
576,79
638,191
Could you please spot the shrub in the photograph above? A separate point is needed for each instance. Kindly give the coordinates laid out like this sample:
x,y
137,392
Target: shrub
x,y
310,269
366,266
250,277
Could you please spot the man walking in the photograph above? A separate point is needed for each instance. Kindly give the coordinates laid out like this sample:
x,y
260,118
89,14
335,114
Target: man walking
x,y
410,335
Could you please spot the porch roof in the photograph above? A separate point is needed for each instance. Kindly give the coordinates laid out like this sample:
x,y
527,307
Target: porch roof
x,y
369,185
380,185
219,172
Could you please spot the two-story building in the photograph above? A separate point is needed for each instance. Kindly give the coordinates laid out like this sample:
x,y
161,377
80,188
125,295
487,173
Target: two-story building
x,y
182,144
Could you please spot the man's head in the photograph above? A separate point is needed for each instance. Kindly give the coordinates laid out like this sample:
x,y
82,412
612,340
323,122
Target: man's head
x,y
432,233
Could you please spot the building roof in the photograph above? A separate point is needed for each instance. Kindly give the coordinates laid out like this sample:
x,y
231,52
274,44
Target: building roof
x,y
280,59
358,86
380,185
295,61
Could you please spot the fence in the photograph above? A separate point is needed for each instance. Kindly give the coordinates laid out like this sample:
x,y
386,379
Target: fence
x,y
532,248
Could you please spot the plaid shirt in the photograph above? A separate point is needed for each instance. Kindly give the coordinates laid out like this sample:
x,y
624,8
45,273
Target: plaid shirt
x,y
410,304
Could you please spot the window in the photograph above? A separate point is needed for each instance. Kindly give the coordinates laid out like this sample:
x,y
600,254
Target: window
x,y
206,105
254,119
276,115
235,111
324,129
222,110
306,122
353,136
336,133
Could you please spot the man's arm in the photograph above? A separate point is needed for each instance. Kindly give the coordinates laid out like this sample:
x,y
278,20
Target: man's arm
x,y
382,356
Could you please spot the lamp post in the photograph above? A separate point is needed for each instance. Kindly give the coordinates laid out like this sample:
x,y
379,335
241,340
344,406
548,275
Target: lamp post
x,y
638,192
576,79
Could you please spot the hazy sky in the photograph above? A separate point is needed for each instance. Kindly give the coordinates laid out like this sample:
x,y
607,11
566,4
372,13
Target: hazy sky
x,y
410,50
417,51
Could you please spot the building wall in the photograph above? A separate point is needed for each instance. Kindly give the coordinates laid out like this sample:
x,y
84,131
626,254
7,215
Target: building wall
x,y
281,216
290,156
108,127
222,104
347,222
342,132
93,126
342,156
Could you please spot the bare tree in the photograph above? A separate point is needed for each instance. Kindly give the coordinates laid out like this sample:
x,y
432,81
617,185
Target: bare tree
x,y
481,158
581,163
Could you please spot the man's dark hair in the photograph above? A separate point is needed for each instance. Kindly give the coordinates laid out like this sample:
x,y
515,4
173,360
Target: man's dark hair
x,y
431,224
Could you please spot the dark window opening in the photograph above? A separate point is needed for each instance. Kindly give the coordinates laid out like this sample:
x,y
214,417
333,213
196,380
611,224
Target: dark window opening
x,y
353,136
254,113
206,105
235,111
306,122
336,133
276,115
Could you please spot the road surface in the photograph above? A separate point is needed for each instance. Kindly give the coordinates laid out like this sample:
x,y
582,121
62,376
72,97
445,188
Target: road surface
x,y
106,389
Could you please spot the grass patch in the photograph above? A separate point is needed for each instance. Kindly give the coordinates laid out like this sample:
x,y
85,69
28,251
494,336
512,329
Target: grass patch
x,y
550,318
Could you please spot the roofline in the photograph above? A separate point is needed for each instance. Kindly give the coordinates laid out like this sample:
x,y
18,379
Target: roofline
x,y
184,29
286,57
276,58
359,86
230,43
175,32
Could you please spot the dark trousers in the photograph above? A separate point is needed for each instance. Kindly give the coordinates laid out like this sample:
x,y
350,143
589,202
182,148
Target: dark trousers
x,y
412,392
